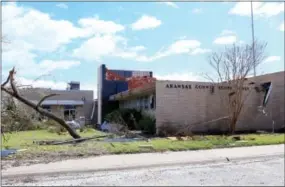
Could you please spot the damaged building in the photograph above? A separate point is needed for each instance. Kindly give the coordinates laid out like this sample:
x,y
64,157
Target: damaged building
x,y
201,105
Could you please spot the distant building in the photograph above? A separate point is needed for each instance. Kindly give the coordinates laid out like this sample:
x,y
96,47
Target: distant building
x,y
69,104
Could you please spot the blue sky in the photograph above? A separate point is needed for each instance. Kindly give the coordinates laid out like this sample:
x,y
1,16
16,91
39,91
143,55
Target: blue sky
x,y
68,40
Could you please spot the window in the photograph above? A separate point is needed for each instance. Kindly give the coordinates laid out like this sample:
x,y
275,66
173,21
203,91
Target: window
x,y
267,89
69,112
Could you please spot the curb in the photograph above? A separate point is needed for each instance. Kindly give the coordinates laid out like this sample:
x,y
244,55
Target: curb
x,y
219,160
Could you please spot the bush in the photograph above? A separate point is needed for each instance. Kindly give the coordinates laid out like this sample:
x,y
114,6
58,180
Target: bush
x,y
127,117
147,124
21,124
54,127
16,117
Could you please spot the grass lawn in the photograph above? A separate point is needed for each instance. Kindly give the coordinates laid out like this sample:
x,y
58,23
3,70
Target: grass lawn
x,y
24,140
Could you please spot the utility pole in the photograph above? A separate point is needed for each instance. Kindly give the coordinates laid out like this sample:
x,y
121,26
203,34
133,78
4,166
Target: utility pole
x,y
253,43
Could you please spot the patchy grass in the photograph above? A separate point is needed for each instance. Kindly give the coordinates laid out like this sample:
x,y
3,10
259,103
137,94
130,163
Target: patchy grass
x,y
48,153
198,142
24,139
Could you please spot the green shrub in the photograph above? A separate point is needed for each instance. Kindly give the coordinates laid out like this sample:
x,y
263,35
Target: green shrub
x,y
147,124
129,117
54,127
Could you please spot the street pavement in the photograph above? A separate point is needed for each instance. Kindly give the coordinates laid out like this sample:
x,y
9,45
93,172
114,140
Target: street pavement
x,y
129,161
265,171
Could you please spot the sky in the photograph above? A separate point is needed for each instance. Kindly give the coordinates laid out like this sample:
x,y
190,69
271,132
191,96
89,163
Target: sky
x,y
52,43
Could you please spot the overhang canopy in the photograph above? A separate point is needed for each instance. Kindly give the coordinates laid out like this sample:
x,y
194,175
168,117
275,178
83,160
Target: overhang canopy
x,y
61,102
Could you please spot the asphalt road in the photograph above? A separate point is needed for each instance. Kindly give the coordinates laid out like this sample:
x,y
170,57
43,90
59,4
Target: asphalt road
x,y
258,172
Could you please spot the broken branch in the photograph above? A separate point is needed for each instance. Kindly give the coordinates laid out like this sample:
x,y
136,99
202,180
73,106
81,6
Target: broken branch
x,y
7,80
14,93
44,98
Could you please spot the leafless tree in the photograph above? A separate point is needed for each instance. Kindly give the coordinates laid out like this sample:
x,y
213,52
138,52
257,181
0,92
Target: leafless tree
x,y
232,67
13,91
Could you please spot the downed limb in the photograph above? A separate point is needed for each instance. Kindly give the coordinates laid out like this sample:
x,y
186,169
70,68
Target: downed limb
x,y
80,140
14,93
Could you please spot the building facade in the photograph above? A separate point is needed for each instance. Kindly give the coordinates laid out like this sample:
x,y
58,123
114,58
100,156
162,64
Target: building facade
x,y
203,106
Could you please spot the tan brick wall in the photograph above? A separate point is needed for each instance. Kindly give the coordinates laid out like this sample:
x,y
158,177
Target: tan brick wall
x,y
192,106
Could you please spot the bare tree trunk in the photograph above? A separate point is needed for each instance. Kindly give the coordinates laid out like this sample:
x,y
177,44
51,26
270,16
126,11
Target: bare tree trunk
x,y
232,67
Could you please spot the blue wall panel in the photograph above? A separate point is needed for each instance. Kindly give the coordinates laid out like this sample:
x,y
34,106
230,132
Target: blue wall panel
x,y
110,87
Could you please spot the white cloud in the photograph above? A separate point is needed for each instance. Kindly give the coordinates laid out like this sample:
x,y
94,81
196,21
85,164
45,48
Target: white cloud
x,y
272,59
138,48
183,46
42,83
111,45
224,40
43,33
180,76
62,5
200,51
171,4
281,27
96,26
146,22
34,34
97,47
19,54
44,67
266,9
37,28
226,37
191,47
197,11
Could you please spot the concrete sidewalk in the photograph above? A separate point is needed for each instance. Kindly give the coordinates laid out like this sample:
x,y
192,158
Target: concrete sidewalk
x,y
132,161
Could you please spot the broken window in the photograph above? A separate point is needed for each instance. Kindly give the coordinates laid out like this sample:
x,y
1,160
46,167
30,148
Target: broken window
x,y
267,87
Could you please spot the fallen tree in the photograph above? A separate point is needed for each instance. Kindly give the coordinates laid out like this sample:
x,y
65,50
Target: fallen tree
x,y
13,91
